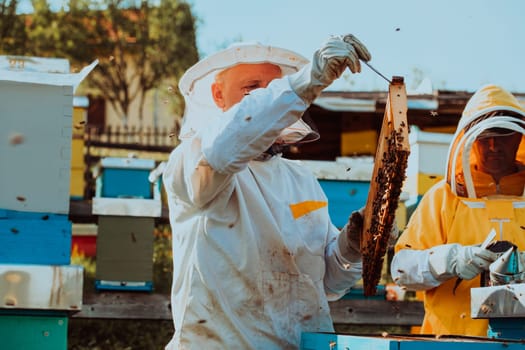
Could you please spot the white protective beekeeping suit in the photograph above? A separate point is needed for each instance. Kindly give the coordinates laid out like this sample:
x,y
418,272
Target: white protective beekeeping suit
x,y
254,251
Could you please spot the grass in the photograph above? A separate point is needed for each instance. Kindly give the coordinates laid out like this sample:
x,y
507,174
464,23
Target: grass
x,y
89,334
98,334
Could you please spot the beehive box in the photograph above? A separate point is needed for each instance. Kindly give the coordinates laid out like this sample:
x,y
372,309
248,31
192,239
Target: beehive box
x,y
84,239
126,178
78,164
125,252
507,328
34,238
124,249
345,183
19,332
36,105
358,142
331,341
427,160
498,301
40,287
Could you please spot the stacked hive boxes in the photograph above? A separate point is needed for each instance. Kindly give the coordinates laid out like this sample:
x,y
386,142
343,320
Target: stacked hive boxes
x,y
426,163
346,182
127,204
38,286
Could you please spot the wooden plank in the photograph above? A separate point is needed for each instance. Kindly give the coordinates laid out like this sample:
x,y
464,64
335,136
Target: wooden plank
x,y
377,312
126,305
385,187
151,306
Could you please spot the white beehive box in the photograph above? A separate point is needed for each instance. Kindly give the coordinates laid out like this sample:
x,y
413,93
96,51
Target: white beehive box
x,y
41,287
427,160
36,108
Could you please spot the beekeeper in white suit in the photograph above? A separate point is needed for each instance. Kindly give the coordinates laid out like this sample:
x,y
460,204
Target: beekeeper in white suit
x,y
255,255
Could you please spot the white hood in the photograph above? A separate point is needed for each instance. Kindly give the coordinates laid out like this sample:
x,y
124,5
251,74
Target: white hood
x,y
195,85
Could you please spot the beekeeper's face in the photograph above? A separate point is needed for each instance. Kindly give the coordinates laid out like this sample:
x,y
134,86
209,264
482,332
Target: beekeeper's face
x,y
232,84
496,149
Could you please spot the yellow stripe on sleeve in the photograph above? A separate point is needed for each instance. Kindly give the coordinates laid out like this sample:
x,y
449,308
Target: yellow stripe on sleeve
x,y
303,208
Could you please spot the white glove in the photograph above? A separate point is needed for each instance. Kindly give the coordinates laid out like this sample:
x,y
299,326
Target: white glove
x,y
455,260
328,63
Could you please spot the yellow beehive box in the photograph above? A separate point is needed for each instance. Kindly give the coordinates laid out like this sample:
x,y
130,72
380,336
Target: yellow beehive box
x,y
78,164
78,182
401,212
358,142
418,184
77,153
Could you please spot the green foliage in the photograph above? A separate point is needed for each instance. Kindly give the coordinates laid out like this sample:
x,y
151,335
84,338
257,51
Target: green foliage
x,y
139,47
139,44
13,35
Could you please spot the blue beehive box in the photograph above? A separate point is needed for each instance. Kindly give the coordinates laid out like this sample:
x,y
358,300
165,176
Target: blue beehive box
x,y
332,341
507,328
34,238
358,293
126,178
344,197
346,184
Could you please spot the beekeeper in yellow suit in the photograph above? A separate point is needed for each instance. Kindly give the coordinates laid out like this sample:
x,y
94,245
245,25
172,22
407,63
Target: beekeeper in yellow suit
x,y
483,190
255,255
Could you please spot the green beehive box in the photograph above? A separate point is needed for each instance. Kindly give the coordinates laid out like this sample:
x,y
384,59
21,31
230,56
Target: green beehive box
x,y
125,248
33,332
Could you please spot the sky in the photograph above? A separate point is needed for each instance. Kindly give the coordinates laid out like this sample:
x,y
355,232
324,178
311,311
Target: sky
x,y
451,44
456,44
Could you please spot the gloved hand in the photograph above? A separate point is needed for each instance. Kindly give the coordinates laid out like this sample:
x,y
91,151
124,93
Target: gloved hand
x,y
328,64
349,239
455,260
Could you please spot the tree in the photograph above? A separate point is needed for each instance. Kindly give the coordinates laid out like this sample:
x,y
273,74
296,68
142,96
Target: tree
x,y
12,28
139,47
139,44
173,33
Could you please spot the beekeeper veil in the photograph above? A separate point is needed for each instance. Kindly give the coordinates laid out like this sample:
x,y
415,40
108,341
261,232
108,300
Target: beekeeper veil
x,y
195,86
494,119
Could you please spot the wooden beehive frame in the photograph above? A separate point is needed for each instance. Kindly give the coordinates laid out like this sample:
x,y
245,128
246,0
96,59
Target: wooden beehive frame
x,y
385,185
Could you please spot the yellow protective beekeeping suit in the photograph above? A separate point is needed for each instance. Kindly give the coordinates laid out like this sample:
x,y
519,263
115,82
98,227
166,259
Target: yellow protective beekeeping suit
x,y
442,218
463,208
